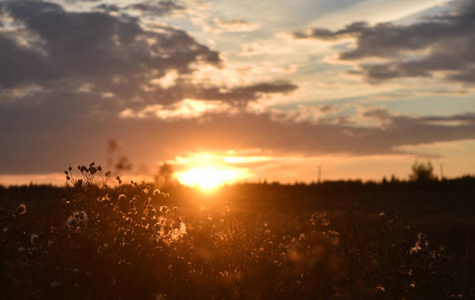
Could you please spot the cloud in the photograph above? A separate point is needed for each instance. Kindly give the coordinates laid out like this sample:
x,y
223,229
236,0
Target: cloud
x,y
110,56
252,49
113,53
233,25
444,43
317,113
156,8
49,130
185,109
237,96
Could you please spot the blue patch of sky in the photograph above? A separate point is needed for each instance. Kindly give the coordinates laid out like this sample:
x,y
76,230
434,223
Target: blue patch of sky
x,y
343,46
344,102
308,10
410,105
424,15
315,64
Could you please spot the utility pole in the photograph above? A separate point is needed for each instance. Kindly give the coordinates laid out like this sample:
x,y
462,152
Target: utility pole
x,y
319,174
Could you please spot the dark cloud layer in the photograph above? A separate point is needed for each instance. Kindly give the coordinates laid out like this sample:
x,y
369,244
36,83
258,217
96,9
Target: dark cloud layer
x,y
150,140
99,53
93,48
238,96
441,43
157,8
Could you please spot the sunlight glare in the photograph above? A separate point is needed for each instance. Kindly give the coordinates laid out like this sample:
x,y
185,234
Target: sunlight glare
x,y
207,178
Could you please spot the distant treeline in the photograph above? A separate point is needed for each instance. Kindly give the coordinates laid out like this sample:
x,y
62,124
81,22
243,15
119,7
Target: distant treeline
x,y
465,183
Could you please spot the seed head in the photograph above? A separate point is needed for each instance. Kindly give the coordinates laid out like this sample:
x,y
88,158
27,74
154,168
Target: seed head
x,y
34,239
21,209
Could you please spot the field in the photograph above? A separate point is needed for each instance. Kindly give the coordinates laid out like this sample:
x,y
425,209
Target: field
x,y
331,240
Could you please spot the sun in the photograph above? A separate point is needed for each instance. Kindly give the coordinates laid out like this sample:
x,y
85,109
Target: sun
x,y
207,178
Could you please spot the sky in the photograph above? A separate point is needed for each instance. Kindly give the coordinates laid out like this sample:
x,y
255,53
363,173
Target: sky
x,y
261,90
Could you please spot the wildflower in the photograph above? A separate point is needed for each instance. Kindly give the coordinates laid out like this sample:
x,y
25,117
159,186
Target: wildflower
x,y
320,218
177,232
93,170
334,236
21,251
77,219
382,216
102,248
380,289
122,197
33,251
21,209
34,239
146,189
36,294
422,244
164,209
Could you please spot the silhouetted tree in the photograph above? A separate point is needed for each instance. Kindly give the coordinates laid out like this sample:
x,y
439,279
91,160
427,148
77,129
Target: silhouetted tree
x,y
115,159
422,172
165,175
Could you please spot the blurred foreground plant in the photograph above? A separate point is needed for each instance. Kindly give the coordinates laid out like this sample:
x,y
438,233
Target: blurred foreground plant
x,y
114,242
123,241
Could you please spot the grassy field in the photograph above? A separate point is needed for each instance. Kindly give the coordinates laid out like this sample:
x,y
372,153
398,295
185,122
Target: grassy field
x,y
334,240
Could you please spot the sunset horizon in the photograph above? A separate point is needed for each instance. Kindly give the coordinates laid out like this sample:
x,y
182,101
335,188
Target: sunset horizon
x,y
223,149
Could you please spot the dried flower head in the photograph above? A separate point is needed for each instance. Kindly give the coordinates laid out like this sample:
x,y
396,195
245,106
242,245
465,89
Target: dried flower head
x,y
77,219
34,239
21,209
